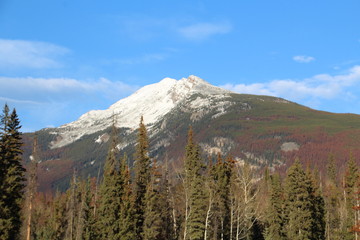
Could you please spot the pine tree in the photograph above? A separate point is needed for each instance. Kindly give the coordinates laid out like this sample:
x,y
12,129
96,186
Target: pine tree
x,y
126,216
142,178
72,207
58,218
351,180
317,207
11,175
153,222
220,186
299,204
166,207
195,190
332,201
31,189
275,213
331,169
86,220
111,191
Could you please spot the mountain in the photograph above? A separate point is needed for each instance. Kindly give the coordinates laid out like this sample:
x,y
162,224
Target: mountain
x,y
152,102
266,131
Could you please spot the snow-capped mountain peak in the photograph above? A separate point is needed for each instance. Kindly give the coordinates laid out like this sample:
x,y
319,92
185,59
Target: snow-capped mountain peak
x,y
152,102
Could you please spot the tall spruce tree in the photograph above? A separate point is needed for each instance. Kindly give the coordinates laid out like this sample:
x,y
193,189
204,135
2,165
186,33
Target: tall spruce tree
x,y
169,232
58,217
126,216
332,201
153,221
31,189
351,180
86,220
195,191
11,175
302,206
317,207
220,186
275,213
111,191
72,207
142,178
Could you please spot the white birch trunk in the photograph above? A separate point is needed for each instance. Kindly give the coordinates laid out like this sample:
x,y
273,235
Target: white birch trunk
x,y
208,213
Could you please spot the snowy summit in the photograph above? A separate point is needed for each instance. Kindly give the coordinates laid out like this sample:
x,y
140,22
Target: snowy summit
x,y
152,102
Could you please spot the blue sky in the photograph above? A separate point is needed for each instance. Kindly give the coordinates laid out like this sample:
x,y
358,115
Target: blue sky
x,y
60,59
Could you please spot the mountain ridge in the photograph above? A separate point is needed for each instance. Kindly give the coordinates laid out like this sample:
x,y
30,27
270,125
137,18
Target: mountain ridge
x,y
265,131
152,102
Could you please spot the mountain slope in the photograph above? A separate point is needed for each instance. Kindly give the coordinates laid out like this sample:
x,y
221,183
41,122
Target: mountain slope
x,y
152,102
266,131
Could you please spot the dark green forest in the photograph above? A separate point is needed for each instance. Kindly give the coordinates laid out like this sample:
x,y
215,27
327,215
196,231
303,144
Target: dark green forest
x,y
205,198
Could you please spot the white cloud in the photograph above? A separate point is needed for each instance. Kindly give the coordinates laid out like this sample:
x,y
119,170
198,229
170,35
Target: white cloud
x,y
5,99
201,31
30,54
303,59
40,90
54,101
322,86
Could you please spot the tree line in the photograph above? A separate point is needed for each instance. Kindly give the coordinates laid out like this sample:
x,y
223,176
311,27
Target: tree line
x,y
214,198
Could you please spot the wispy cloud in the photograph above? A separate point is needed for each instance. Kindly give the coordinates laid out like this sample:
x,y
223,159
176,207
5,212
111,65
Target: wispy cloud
x,y
145,28
41,89
30,54
201,31
7,100
55,101
314,89
303,59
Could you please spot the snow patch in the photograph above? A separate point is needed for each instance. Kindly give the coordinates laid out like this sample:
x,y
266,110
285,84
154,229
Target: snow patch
x,y
102,138
152,102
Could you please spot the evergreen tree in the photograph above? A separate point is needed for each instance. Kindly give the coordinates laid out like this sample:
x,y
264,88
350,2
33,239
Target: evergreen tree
x,y
58,218
220,179
317,207
86,221
153,222
31,190
166,207
332,201
275,213
111,191
351,180
126,216
195,190
302,206
72,207
11,175
142,178
331,169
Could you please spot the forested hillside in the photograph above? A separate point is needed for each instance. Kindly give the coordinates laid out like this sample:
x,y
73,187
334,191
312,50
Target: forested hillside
x,y
202,197
264,131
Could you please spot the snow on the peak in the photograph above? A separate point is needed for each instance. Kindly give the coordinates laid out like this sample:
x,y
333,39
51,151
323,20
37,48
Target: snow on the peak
x,y
152,102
